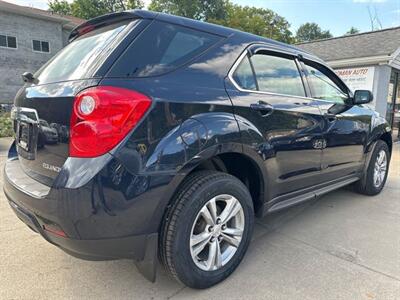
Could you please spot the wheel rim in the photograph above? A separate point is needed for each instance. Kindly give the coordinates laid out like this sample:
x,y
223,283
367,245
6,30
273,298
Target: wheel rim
x,y
217,232
380,168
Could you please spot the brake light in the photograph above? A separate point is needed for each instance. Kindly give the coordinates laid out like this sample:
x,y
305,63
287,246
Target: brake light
x,y
102,117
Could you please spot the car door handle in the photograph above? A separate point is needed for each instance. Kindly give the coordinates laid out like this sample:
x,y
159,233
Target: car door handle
x,y
330,117
263,108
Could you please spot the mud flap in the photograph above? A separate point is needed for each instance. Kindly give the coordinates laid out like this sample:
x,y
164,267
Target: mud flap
x,y
148,266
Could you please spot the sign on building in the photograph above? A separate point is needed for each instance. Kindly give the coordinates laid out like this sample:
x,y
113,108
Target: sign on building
x,y
357,78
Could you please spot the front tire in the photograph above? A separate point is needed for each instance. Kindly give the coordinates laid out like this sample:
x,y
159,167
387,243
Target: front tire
x,y
377,171
207,229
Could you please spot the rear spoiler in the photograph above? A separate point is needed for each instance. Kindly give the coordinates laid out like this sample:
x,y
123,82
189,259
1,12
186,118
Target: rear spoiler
x,y
109,19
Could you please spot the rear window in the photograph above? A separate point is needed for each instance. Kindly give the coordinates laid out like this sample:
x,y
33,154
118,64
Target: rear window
x,y
78,59
160,48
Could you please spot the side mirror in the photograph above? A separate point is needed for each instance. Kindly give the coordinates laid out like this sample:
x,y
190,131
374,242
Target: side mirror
x,y
362,97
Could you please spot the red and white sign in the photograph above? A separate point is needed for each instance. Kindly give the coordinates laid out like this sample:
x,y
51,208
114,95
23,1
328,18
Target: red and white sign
x,y
357,78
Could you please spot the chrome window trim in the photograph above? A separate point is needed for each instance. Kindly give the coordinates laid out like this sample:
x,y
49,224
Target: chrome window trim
x,y
236,64
272,49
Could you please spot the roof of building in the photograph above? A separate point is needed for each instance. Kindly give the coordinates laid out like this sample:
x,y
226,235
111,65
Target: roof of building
x,y
385,42
67,21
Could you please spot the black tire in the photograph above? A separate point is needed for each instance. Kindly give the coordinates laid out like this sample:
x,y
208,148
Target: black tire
x,y
366,185
176,230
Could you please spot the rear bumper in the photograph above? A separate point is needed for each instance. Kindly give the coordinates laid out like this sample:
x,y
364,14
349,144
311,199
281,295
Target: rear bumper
x,y
67,208
105,249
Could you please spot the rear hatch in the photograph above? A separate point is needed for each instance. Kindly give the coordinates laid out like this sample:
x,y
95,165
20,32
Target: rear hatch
x,y
43,108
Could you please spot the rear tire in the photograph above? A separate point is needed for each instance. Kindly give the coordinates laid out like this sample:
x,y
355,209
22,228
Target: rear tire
x,y
197,227
377,171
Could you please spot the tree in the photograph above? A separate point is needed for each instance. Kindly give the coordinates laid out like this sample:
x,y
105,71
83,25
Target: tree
x,y
195,9
259,21
310,32
61,7
352,30
87,9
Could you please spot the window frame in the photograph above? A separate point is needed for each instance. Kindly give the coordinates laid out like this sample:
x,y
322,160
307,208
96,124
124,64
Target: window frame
x,y
16,42
41,48
247,56
256,49
328,73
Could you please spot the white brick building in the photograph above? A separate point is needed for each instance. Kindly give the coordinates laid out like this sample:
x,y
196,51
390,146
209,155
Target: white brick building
x,y
29,37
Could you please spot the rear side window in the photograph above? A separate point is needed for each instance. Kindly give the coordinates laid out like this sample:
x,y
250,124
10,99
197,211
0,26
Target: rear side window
x,y
278,75
76,61
244,75
160,48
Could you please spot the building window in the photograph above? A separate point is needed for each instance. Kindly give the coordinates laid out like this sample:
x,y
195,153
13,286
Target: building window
x,y
7,41
40,46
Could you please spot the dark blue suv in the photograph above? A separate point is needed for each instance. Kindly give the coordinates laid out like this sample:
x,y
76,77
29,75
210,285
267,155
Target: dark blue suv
x,y
153,136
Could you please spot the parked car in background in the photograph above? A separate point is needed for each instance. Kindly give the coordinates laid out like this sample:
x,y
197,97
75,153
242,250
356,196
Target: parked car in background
x,y
5,108
177,134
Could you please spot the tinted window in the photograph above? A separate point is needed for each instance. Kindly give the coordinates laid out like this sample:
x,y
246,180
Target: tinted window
x,y
323,87
36,45
3,41
45,47
12,42
76,60
40,46
160,48
244,75
8,41
277,75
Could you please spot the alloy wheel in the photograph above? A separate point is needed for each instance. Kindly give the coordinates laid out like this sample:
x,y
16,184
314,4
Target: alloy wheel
x,y
217,232
380,168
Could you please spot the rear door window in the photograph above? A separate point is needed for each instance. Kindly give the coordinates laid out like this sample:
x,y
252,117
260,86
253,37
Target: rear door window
x,y
160,48
244,75
276,74
78,59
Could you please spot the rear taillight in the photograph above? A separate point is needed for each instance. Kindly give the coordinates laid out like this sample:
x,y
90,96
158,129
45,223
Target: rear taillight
x,y
102,117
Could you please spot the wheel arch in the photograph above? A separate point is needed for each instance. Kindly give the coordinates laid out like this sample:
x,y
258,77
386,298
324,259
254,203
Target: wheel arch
x,y
387,138
219,158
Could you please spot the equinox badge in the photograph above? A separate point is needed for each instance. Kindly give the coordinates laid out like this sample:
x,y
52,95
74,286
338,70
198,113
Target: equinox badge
x,y
51,167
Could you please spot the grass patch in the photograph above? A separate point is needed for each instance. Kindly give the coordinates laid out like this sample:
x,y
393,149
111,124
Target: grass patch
x,y
6,128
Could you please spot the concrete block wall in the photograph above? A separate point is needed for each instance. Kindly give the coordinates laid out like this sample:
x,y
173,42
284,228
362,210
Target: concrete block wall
x,y
381,88
14,62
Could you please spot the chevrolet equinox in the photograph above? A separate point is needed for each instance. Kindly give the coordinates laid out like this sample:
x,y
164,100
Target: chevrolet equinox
x,y
151,136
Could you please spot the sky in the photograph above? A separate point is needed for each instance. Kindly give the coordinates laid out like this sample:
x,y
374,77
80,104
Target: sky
x,y
337,16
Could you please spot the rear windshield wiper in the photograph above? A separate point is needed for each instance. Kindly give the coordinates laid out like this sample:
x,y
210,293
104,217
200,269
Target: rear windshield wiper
x,y
28,77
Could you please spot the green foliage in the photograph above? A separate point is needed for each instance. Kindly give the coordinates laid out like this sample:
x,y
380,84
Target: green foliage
x,y
310,32
87,9
352,30
195,9
61,7
6,128
260,21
